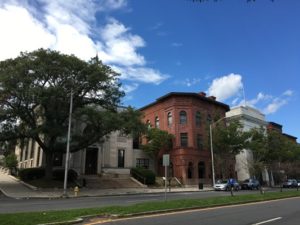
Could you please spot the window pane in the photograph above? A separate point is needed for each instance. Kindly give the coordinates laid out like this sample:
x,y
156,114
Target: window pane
x,y
198,119
156,122
169,119
183,139
183,117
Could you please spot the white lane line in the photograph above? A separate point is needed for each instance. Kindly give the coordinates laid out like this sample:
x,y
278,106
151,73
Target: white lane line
x,y
268,221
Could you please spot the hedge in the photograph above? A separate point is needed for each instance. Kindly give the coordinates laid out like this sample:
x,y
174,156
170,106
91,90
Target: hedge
x,y
39,172
32,173
141,174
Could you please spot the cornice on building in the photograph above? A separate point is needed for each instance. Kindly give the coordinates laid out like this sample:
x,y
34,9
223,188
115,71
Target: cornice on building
x,y
201,96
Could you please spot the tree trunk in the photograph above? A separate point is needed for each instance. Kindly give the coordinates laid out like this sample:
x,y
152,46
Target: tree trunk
x,y
48,166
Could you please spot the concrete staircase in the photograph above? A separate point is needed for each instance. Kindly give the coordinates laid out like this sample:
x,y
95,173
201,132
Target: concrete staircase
x,y
111,182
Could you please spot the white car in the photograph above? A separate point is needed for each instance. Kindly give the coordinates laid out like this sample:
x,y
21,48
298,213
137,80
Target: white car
x,y
223,185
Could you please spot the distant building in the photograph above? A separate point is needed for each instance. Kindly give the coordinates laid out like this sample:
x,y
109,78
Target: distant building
x,y
187,116
249,118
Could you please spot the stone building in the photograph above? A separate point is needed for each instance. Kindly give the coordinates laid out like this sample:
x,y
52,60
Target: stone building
x,y
249,118
114,155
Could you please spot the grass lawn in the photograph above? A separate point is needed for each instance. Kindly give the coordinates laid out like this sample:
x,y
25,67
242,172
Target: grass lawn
x,y
33,218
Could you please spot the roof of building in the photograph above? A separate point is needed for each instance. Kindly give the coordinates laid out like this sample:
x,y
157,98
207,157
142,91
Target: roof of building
x,y
201,96
276,125
290,136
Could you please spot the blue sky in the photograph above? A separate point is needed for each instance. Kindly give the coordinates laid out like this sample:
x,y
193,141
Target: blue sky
x,y
174,45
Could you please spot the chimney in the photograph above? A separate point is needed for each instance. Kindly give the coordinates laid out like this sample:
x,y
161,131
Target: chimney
x,y
212,98
202,94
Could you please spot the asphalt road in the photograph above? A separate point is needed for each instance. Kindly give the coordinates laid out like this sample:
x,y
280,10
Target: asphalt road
x,y
8,205
280,212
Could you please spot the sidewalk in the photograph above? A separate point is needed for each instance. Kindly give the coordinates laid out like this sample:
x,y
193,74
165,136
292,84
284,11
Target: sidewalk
x,y
12,187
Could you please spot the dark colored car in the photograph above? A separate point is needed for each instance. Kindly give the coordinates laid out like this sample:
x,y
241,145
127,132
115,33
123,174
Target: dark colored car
x,y
290,183
250,184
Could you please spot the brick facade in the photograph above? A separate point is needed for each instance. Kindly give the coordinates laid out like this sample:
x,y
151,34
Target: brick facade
x,y
187,116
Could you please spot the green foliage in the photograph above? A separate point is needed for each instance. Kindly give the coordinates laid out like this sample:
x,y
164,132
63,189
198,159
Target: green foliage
x,y
31,173
157,140
228,140
59,174
141,174
11,161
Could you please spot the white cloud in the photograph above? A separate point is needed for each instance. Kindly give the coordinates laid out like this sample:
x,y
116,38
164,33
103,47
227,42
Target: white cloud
x,y
226,87
21,32
71,27
127,88
288,93
176,44
120,47
188,82
141,74
260,97
276,104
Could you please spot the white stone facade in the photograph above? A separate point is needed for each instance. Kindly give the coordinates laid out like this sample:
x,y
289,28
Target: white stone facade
x,y
249,118
115,155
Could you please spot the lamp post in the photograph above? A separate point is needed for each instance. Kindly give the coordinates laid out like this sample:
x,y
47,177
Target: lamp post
x,y
212,149
68,146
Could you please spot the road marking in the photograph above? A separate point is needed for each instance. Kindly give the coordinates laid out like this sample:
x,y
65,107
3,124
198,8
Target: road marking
x,y
268,221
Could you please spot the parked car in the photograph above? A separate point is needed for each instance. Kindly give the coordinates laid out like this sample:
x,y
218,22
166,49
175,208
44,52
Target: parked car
x,y
224,185
250,184
290,183
298,181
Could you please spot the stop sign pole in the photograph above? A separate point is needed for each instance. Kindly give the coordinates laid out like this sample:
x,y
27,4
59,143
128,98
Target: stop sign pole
x,y
166,163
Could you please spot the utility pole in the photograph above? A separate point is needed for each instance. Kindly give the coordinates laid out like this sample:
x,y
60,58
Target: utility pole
x,y
68,146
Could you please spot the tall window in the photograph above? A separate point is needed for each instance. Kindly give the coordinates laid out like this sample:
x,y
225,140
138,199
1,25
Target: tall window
x,y
198,119
156,122
121,158
148,124
199,141
209,120
183,139
182,117
32,148
169,119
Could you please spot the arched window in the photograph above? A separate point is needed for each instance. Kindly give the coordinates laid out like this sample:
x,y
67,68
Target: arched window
x,y
198,119
182,117
169,119
148,124
156,122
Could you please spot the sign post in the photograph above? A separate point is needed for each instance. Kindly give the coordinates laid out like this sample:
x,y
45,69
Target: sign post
x,y
166,163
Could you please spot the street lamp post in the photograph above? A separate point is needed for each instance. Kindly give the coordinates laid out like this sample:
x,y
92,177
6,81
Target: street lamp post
x,y
68,146
212,150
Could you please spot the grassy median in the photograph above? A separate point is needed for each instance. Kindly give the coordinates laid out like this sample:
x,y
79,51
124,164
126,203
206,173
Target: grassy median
x,y
33,218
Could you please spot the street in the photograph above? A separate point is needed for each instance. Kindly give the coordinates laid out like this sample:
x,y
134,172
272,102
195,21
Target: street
x,y
8,205
283,212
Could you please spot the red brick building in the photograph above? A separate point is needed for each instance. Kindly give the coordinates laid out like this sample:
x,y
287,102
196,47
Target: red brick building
x,y
187,116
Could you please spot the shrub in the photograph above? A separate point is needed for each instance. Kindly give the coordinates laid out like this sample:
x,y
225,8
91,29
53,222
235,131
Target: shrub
x,y
142,174
32,173
11,161
59,174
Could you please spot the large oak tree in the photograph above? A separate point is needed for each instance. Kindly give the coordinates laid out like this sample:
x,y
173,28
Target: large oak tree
x,y
35,92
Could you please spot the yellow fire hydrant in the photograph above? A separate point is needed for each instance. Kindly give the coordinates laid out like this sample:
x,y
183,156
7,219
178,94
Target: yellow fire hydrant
x,y
76,191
